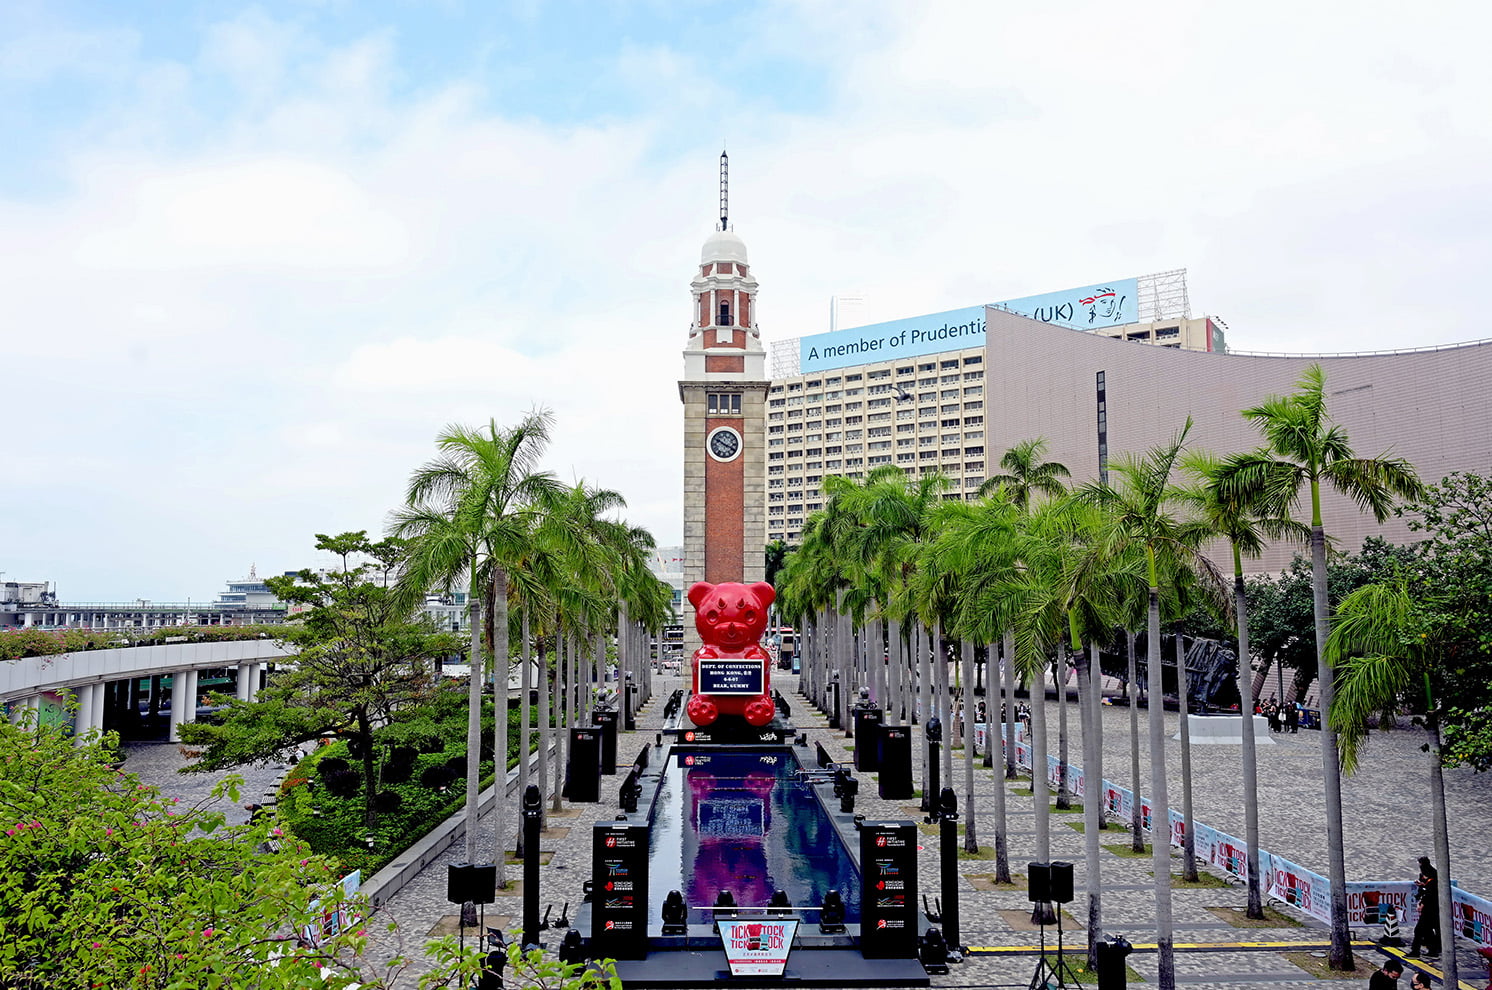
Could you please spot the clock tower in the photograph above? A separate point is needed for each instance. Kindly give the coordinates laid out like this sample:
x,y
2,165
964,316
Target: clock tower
x,y
724,391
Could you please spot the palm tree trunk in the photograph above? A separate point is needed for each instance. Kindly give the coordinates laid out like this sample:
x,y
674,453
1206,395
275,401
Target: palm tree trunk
x,y
876,658
474,724
1160,811
1002,852
924,707
1250,758
561,704
1088,686
1059,676
945,704
500,719
971,840
1443,857
1007,649
1040,795
1132,688
1340,957
545,733
893,674
1188,844
525,737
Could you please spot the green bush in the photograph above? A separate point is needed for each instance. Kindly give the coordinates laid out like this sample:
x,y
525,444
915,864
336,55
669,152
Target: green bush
x,y
333,826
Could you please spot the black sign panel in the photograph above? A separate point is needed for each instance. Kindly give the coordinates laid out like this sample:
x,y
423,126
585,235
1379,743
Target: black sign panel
x,y
731,676
619,904
583,766
606,721
895,781
888,890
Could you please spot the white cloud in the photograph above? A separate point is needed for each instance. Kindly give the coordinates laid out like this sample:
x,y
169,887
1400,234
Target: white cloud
x,y
246,327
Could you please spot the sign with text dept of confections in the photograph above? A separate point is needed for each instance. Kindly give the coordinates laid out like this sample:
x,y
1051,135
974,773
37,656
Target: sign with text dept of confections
x,y
758,946
619,882
730,676
888,890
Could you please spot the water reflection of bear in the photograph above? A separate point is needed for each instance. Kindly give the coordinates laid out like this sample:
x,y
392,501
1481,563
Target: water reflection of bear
x,y
731,817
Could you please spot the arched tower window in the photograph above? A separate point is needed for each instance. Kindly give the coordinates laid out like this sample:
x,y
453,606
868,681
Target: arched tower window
x,y
724,320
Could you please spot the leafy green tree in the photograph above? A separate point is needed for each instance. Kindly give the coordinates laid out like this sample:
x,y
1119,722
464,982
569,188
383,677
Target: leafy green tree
x,y
361,660
1304,450
1455,569
104,883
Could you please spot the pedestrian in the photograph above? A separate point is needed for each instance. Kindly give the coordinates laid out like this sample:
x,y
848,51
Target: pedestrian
x,y
1427,893
1292,718
1421,981
1387,978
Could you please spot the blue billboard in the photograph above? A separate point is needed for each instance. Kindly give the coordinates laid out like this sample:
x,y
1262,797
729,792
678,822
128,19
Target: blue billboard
x,y
1109,304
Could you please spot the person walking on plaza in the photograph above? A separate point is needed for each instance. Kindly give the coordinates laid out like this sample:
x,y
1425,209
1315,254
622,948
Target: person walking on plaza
x,y
1421,981
1292,717
1427,892
1387,978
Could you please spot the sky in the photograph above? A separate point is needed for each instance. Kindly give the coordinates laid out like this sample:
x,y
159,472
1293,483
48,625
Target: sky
x,y
254,258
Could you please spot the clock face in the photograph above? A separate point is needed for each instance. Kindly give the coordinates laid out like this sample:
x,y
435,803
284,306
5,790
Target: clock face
x,y
724,444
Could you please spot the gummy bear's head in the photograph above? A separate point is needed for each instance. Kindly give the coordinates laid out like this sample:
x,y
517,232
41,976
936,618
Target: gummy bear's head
x,y
731,615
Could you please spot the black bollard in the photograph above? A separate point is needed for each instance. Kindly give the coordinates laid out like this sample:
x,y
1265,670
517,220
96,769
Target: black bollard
x,y
933,730
948,867
532,813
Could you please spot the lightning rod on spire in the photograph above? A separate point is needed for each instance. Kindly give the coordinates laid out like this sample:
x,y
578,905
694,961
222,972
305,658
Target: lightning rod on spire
x,y
724,191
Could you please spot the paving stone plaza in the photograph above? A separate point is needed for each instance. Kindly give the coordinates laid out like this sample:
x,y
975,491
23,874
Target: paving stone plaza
x,y
1385,807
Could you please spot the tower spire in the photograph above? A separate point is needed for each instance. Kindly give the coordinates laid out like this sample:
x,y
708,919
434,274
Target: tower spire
x,y
724,191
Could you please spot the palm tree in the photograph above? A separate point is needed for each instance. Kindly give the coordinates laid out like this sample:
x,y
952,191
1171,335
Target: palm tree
x,y
1246,525
471,513
1387,646
1304,449
975,543
1027,473
1141,518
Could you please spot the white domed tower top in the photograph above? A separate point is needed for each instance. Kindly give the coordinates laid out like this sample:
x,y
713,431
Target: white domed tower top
x,y
723,245
724,327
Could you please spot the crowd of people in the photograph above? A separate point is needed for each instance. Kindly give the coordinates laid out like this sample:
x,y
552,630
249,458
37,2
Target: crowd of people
x,y
1283,716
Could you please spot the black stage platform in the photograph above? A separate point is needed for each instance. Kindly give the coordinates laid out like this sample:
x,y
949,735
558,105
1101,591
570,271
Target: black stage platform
x,y
805,968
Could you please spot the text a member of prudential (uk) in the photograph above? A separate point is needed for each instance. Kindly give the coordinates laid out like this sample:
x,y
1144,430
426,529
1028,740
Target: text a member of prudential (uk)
x,y
867,345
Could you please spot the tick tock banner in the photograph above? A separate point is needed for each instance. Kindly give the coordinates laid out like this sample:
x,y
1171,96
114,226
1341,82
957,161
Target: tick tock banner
x,y
1108,304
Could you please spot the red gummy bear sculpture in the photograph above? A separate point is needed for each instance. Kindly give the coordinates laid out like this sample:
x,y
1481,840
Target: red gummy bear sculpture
x,y
731,618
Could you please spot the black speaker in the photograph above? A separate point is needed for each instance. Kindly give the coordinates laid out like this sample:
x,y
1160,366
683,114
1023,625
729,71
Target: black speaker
x,y
1061,882
475,882
1038,882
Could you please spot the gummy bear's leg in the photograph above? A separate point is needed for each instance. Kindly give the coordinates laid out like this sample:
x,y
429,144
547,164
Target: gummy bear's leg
x,y
759,710
702,711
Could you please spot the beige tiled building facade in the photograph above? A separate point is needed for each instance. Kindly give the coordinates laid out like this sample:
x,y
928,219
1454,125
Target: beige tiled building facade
x,y
1432,407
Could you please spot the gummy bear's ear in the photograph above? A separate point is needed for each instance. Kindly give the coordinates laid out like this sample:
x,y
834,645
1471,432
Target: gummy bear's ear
x,y
764,593
698,591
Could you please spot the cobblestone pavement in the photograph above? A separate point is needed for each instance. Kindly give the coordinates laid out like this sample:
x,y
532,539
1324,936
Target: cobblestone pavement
x,y
1385,807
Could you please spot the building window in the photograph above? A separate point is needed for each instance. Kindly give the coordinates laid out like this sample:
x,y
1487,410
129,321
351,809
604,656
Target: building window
x,y
953,363
973,360
724,314
723,403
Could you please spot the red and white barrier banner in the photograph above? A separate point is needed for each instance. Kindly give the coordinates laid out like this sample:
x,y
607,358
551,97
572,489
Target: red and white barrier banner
x,y
1471,916
1296,886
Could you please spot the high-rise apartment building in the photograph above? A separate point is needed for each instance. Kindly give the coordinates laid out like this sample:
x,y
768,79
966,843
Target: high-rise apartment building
x,y
925,410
